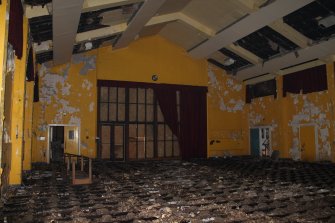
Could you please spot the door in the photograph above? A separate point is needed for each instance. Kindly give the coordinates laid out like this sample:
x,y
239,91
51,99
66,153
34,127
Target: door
x,y
71,140
118,145
307,143
112,142
265,139
254,142
57,143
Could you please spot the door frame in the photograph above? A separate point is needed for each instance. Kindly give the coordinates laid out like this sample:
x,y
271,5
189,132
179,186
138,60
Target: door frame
x,y
259,127
49,135
315,138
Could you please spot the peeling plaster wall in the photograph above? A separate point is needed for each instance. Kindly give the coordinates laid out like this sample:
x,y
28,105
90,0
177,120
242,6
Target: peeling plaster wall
x,y
227,124
286,115
67,96
28,120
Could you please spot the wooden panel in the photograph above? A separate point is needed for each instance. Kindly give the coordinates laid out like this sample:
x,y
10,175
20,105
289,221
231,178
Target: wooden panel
x,y
141,112
118,142
121,95
112,112
103,111
176,149
105,142
71,139
307,143
104,94
168,149
160,149
150,149
121,112
141,95
132,112
112,94
133,95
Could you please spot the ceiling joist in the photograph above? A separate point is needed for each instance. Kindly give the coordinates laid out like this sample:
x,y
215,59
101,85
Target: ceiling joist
x,y
249,24
321,50
148,9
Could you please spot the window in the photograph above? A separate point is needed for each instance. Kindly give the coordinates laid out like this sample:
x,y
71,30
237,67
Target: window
x,y
147,135
71,135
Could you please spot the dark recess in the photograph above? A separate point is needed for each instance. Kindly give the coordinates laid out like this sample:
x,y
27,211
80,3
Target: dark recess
x,y
233,68
37,2
306,20
261,89
267,43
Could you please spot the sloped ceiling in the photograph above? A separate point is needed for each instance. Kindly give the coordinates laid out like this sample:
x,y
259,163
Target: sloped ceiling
x,y
246,38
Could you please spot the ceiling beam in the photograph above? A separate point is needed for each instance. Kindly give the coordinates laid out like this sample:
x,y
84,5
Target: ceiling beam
x,y
249,56
247,25
88,5
65,21
148,9
321,50
290,33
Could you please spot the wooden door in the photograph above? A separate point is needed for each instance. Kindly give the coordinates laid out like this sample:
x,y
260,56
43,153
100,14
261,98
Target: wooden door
x,y
71,140
307,143
106,141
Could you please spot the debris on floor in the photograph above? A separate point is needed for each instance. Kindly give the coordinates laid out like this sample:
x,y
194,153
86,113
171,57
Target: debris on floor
x,y
237,189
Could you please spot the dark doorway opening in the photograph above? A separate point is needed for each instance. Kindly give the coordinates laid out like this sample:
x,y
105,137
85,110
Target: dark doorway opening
x,y
57,143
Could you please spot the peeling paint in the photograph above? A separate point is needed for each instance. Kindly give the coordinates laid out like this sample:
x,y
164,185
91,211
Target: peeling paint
x,y
89,62
91,107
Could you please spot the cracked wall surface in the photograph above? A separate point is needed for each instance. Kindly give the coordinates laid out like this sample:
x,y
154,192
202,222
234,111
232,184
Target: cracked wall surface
x,y
227,125
67,97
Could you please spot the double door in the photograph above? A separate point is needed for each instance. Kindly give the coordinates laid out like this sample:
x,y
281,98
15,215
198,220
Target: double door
x,y
260,141
112,144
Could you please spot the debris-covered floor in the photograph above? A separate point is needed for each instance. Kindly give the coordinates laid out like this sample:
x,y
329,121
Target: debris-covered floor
x,y
220,190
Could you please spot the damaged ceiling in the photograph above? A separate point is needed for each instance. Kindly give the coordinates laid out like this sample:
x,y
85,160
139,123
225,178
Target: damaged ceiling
x,y
247,38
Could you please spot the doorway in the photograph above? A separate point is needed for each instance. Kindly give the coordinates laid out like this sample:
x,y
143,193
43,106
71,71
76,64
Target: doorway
x,y
112,142
260,141
57,143
62,139
308,142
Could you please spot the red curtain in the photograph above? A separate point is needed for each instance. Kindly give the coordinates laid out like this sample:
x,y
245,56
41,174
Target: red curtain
x,y
167,100
192,133
193,123
15,29
310,80
30,72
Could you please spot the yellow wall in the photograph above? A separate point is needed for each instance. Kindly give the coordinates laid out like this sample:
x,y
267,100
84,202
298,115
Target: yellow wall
x,y
28,119
148,56
17,113
67,96
227,125
71,89
285,115
3,53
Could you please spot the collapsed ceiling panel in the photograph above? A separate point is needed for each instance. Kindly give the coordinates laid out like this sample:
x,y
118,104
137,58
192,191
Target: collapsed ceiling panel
x,y
41,27
267,43
42,57
316,20
228,60
215,14
183,34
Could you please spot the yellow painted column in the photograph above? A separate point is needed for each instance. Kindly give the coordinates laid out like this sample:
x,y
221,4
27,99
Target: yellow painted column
x,y
28,119
18,98
3,56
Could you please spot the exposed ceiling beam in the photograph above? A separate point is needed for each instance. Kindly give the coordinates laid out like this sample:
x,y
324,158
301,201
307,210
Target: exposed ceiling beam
x,y
252,58
148,9
65,20
321,50
290,33
249,24
197,25
88,5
